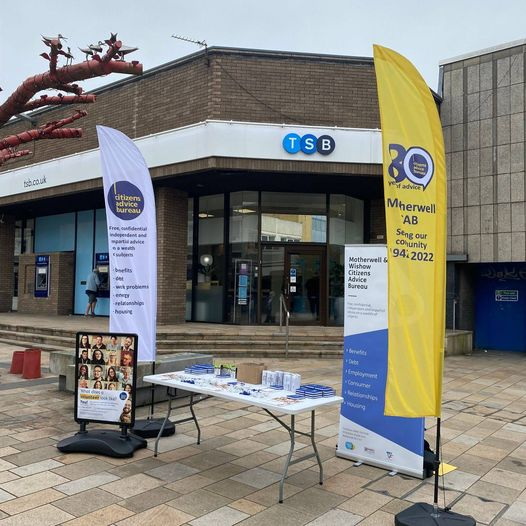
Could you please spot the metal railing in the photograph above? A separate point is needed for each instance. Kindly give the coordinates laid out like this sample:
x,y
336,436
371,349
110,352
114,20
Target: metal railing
x,y
283,310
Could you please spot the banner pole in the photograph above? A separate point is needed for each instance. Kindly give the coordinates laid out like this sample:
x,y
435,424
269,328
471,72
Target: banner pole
x,y
437,466
152,403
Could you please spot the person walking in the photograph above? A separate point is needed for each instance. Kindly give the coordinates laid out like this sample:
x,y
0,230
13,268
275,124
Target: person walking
x,y
92,284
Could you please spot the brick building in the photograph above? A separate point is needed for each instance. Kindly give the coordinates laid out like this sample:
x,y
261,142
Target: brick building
x,y
483,117
220,131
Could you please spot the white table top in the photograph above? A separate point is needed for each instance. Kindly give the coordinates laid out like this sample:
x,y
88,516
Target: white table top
x,y
270,401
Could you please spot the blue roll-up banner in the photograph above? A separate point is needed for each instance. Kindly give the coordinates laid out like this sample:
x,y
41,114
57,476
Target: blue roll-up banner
x,y
366,434
132,239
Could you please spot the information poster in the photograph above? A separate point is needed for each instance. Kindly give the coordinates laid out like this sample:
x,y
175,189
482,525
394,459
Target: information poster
x,y
366,434
243,301
105,378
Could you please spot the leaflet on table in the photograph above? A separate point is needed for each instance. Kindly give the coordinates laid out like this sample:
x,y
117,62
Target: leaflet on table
x,y
274,394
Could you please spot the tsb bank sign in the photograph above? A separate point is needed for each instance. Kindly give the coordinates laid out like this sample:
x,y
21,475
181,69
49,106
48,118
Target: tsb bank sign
x,y
308,144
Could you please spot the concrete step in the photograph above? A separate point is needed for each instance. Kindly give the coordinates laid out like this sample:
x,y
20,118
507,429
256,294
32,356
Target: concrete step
x,y
68,338
247,336
224,345
257,332
249,352
37,338
245,342
48,331
239,352
28,345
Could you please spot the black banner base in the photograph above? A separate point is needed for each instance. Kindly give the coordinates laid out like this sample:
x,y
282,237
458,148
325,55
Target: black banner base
x,y
150,428
102,442
421,514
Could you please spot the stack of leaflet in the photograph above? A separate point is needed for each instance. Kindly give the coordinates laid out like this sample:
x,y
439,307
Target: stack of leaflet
x,y
281,380
315,391
296,396
200,368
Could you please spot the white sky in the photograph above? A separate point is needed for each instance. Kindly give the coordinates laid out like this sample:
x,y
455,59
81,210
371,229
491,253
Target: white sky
x,y
423,31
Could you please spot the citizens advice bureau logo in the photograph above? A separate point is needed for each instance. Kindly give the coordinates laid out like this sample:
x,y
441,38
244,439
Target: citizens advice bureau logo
x,y
125,200
414,164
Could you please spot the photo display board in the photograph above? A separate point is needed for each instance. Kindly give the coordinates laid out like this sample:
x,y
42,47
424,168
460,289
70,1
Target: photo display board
x,y
106,378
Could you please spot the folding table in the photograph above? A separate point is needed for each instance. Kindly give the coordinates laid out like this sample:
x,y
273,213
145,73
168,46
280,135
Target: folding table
x,y
270,403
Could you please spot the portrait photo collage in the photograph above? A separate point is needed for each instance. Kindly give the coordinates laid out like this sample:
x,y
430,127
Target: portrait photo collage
x,y
106,362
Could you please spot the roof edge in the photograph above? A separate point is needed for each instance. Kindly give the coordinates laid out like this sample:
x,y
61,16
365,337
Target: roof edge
x,y
484,51
214,50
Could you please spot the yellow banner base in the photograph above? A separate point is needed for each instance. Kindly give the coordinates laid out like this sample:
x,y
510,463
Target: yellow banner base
x,y
444,469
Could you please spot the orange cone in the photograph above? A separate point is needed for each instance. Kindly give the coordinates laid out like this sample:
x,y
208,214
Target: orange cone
x,y
31,364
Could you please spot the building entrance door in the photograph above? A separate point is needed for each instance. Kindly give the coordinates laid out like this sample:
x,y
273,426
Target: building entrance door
x,y
305,285
299,273
500,307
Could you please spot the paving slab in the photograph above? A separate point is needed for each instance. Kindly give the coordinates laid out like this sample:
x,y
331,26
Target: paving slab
x,y
231,478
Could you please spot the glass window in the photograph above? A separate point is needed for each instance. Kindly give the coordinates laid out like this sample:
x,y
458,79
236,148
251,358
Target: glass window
x,y
101,231
84,257
210,259
28,238
55,233
243,217
101,247
319,227
291,217
272,282
18,237
336,283
15,285
189,257
346,225
243,268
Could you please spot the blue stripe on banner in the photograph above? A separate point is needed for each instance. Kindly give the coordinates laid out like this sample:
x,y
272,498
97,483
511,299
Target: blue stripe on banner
x,y
363,390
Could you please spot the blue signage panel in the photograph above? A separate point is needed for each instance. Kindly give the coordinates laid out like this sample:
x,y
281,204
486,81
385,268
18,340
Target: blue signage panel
x,y
41,276
325,145
292,143
308,144
243,270
102,263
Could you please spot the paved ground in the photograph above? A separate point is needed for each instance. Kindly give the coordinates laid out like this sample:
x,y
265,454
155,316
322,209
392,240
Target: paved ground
x,y
231,477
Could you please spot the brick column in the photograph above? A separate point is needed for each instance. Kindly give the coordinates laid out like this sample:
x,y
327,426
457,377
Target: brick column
x,y
7,250
60,298
172,219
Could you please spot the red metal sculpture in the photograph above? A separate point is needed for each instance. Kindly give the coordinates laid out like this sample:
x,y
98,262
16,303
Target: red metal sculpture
x,y
62,79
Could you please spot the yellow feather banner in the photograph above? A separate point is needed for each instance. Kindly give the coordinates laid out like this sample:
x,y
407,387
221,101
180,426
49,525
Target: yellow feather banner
x,y
415,204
